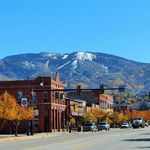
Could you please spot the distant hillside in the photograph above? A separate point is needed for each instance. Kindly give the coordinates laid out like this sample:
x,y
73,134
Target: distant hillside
x,y
88,68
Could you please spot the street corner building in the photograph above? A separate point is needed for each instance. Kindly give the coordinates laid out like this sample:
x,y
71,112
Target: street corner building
x,y
39,93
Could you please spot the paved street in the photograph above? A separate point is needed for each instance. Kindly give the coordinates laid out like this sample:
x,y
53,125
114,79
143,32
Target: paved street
x,y
124,139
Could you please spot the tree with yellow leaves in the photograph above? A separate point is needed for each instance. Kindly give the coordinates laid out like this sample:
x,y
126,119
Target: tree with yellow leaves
x,y
100,114
89,116
11,111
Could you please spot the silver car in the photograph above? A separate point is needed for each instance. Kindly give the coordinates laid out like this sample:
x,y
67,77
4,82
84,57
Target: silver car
x,y
125,125
103,126
90,127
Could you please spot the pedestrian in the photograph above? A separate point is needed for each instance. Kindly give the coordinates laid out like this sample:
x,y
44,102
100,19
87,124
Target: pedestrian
x,y
79,128
70,127
64,127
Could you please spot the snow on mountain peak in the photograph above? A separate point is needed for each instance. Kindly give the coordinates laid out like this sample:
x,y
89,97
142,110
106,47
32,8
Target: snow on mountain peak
x,y
85,56
65,56
63,65
74,64
28,64
48,54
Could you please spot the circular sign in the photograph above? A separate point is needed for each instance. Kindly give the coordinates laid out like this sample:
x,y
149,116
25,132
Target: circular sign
x,y
24,101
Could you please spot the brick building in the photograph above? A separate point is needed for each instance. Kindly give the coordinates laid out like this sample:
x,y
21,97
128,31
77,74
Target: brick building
x,y
103,100
76,109
106,101
49,109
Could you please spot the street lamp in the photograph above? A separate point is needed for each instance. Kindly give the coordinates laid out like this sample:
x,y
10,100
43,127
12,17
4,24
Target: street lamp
x,y
41,82
30,122
31,102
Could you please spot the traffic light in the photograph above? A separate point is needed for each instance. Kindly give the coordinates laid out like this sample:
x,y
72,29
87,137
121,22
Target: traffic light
x,y
101,89
57,95
78,89
121,88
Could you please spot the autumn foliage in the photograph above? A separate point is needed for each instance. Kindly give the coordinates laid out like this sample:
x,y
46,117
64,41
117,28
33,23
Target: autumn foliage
x,y
10,110
130,114
98,114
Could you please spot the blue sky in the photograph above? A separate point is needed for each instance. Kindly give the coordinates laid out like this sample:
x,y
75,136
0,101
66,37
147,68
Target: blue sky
x,y
119,27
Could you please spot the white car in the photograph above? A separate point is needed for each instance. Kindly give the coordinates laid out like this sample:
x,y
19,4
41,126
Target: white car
x,y
138,122
125,125
103,126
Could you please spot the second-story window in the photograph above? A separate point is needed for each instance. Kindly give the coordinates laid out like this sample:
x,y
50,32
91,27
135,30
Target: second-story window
x,y
45,96
19,96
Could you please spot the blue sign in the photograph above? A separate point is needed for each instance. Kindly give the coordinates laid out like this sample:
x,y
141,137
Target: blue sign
x,y
34,97
24,102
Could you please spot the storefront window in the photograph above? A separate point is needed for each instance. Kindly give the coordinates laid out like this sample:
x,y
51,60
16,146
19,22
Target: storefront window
x,y
45,96
19,96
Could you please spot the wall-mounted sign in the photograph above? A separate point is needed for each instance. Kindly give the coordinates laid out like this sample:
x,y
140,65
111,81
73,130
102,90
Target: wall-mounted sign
x,y
24,102
75,107
36,112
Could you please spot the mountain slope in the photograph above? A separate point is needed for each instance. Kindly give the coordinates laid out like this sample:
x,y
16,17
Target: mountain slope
x,y
89,69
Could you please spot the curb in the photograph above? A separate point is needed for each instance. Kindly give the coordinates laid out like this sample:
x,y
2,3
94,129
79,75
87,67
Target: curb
x,y
25,137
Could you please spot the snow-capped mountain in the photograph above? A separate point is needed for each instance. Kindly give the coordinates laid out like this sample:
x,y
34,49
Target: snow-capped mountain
x,y
86,68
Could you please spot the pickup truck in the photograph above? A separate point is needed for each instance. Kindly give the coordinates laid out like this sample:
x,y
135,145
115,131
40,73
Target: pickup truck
x,y
138,122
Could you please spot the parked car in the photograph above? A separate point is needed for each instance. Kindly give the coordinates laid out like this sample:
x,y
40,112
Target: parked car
x,y
125,125
90,127
115,126
138,122
146,124
103,126
130,124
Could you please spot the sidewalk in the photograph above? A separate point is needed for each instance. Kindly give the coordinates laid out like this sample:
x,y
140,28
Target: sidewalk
x,y
25,137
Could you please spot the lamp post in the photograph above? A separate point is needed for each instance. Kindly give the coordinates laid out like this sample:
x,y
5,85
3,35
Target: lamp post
x,y
31,103
30,122
28,105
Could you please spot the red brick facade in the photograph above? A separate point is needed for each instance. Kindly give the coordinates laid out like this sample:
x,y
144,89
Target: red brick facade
x,y
106,101
50,111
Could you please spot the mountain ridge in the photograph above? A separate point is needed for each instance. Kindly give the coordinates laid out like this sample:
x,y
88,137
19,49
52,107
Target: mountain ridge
x,y
88,68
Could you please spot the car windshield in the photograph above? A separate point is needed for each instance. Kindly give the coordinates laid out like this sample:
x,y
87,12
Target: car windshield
x,y
125,123
137,118
88,124
102,123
